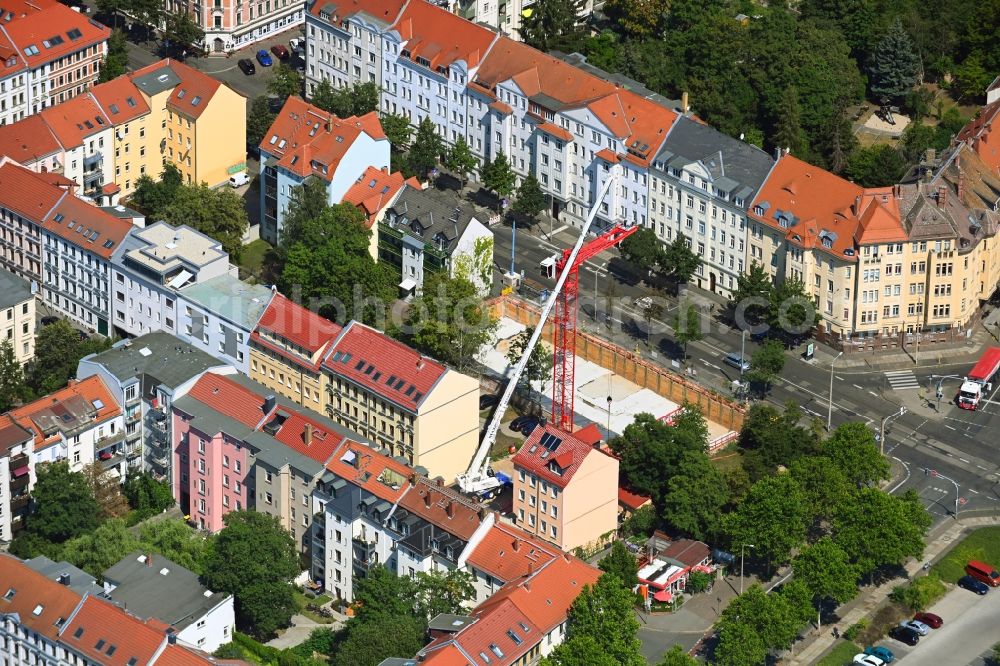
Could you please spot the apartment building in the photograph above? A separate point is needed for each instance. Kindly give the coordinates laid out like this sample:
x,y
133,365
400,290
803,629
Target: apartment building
x,y
85,135
80,424
218,315
430,231
701,184
287,349
153,265
978,133
565,491
50,54
233,24
378,510
306,142
17,315
373,193
16,476
43,224
506,554
145,375
413,406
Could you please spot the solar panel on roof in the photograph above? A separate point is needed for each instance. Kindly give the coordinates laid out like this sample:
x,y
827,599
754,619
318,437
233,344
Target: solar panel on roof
x,y
550,441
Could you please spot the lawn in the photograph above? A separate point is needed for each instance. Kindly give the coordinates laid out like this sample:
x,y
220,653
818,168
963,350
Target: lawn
x,y
841,654
301,601
252,256
982,544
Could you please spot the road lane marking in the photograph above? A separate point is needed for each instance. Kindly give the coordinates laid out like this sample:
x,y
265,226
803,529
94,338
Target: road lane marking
x,y
949,427
964,460
860,388
873,393
839,378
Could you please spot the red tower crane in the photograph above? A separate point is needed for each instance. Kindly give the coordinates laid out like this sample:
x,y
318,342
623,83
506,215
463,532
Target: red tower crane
x,y
564,324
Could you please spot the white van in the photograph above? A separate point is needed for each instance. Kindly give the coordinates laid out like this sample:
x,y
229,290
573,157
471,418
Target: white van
x,y
239,179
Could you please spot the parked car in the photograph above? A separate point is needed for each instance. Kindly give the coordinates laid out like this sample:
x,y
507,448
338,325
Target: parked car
x,y
488,400
246,66
917,626
983,572
48,321
930,619
264,58
883,653
280,51
973,585
239,179
296,45
737,361
867,660
520,421
529,428
904,635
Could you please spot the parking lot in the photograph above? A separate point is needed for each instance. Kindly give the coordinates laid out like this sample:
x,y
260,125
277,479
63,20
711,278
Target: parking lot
x,y
970,628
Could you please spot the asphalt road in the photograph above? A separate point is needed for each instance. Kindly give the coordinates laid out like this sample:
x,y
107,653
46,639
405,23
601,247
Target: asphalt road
x,y
970,628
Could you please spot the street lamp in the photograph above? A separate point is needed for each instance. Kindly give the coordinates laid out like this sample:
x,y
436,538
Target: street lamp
x,y
881,430
743,351
829,410
742,549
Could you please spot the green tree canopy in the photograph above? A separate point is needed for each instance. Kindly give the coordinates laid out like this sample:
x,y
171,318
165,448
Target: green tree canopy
x,y
604,618
443,592
427,148
146,495
539,366
398,130
687,325
530,200
63,503
254,558
824,568
751,300
182,32
58,349
116,60
877,529
853,450
96,551
497,176
217,213
369,643
767,362
695,496
285,82
895,66
13,389
153,196
824,484
554,24
649,446
773,516
460,159
877,166
621,564
770,438
259,120
176,541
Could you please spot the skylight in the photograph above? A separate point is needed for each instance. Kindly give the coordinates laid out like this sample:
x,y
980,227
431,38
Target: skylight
x,y
74,34
114,108
196,100
130,101
31,50
38,610
181,93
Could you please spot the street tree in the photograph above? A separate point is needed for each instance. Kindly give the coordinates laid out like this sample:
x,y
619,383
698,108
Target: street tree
x,y
460,159
652,310
580,651
687,325
853,450
824,484
497,176
603,613
767,363
876,529
182,32
642,248
449,320
695,496
96,551
254,558
677,261
750,303
771,438
63,505
554,24
116,60
398,130
146,12
676,656
13,390
739,645
621,564
539,366
106,490
426,149
217,213
770,616
530,200
773,516
285,82
895,66
112,7
793,314
824,568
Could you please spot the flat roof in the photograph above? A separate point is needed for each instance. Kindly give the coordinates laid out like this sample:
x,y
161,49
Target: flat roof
x,y
13,289
231,298
167,248
161,357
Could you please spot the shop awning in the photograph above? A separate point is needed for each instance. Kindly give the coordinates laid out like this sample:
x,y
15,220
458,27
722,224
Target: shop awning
x,y
21,471
664,596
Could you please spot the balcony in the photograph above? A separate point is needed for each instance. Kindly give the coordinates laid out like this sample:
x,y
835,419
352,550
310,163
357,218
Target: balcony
x,y
158,414
364,553
19,502
17,483
108,441
134,435
114,461
133,416
93,161
20,460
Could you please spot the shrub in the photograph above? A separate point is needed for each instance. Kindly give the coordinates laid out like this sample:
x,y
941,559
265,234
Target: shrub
x,y
919,593
883,620
698,581
856,628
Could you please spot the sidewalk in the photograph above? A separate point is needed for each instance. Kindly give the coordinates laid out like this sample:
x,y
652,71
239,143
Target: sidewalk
x,y
814,646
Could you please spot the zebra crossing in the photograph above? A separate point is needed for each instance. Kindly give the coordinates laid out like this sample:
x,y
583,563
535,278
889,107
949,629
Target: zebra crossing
x,y
902,380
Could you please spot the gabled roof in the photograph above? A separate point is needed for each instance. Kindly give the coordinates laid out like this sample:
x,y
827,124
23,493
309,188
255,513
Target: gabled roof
x,y
120,100
440,37
11,434
53,33
192,90
880,217
28,140
12,10
81,405
338,11
507,553
308,437
87,226
383,366
811,207
11,61
74,120
42,605
110,636
309,141
298,325
23,192
375,189
443,507
224,395
377,473
553,455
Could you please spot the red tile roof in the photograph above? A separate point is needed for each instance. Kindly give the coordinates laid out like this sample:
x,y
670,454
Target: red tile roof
x,y
15,9
227,397
120,100
32,591
76,119
77,399
566,457
978,133
688,552
375,190
56,22
310,141
444,507
640,123
361,347
28,140
194,84
440,37
589,434
320,447
100,623
371,470
299,325
102,232
556,131
11,61
814,202
607,155
501,107
385,11
23,192
508,553
880,220
631,500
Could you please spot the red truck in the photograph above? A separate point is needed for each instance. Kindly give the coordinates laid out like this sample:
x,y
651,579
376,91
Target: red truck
x,y
979,379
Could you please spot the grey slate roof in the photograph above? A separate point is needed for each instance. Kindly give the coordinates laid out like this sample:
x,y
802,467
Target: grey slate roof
x,y
430,216
175,597
13,290
75,579
237,301
277,455
169,362
741,163
157,81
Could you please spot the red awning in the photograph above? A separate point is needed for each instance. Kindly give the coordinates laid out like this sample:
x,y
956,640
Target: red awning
x,y
21,471
664,596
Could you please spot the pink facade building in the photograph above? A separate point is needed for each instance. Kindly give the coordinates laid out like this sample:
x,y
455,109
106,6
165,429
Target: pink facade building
x,y
233,24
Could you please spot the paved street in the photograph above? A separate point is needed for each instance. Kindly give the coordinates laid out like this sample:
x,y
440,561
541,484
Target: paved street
x,y
970,628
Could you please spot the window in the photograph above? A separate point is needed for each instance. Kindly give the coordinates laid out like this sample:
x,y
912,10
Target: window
x,y
268,498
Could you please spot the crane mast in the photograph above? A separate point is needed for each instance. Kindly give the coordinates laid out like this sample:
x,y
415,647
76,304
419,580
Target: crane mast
x,y
477,478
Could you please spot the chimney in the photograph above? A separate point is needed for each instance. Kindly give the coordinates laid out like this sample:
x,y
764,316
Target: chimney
x,y
413,478
531,568
63,579
328,125
566,556
439,481
269,403
307,434
427,499
450,508
684,103
942,195
420,363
